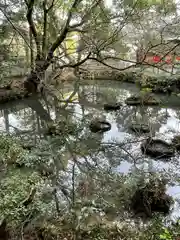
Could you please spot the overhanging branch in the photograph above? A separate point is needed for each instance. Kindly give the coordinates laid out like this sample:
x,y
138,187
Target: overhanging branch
x,y
76,64
15,28
63,34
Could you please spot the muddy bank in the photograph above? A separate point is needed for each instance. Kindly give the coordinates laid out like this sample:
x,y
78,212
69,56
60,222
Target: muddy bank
x,y
157,84
13,90
7,95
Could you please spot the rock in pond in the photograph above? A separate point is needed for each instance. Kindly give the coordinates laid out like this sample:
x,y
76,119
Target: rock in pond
x,y
176,142
112,107
99,126
151,198
157,148
140,127
147,100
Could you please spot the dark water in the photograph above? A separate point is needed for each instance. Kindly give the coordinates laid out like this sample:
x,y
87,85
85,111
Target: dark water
x,y
28,118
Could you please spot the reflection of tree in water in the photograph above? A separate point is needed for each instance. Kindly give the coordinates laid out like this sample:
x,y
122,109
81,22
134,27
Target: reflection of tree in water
x,y
156,118
98,95
39,112
84,151
152,116
124,117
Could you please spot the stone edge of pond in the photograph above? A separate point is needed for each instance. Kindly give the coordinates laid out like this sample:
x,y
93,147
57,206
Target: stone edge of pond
x,y
157,84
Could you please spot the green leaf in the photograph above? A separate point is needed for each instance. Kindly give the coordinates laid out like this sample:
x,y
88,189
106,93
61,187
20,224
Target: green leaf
x,y
162,236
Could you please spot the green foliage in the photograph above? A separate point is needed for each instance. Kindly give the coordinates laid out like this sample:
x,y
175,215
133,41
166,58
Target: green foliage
x,y
108,196
146,90
11,151
162,6
15,188
166,235
17,183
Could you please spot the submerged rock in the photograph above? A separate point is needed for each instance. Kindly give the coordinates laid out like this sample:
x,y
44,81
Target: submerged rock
x,y
151,198
147,100
140,127
176,142
157,148
99,126
112,107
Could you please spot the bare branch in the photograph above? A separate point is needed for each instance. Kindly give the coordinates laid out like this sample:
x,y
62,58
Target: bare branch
x,y
128,67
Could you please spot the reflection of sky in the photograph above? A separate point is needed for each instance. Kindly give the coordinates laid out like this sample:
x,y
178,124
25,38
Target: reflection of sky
x,y
174,191
172,123
166,127
14,121
52,115
2,124
124,167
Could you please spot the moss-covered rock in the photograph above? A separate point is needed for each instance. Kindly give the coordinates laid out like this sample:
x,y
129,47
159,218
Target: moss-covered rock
x,y
142,99
112,106
151,198
99,126
157,148
140,127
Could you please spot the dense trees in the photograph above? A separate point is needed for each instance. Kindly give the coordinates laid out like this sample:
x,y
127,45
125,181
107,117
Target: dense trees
x,y
56,176
40,30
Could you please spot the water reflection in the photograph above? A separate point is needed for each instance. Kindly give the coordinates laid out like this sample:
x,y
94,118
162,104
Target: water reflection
x,y
28,118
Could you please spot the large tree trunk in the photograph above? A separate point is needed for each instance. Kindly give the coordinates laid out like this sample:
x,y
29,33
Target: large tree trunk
x,y
36,76
31,49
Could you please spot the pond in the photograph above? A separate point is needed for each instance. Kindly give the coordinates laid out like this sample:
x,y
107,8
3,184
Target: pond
x,y
27,119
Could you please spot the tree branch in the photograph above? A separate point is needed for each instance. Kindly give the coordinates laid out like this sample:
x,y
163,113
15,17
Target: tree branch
x,y
51,6
15,28
44,41
44,28
63,34
76,64
30,6
85,17
128,67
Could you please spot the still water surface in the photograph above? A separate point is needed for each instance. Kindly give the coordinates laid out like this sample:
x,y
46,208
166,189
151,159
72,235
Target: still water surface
x,y
27,119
